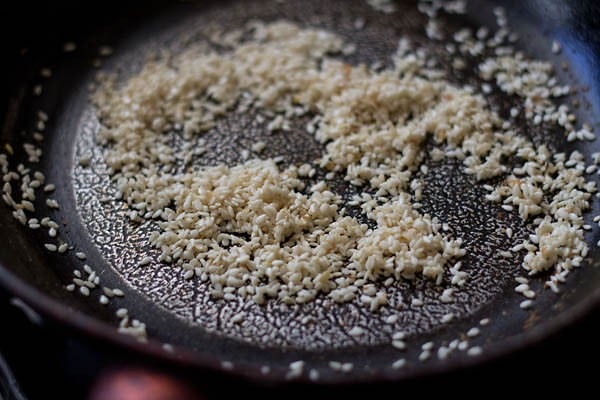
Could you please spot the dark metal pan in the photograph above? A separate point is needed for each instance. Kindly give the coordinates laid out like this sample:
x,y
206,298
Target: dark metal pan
x,y
167,303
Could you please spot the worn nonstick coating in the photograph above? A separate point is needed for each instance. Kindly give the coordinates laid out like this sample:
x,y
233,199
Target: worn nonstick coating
x,y
39,277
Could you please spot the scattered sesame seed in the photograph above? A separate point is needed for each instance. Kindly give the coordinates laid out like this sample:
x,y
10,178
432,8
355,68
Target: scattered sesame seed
x,y
473,332
69,47
121,313
400,363
525,304
425,355
50,247
474,351
228,365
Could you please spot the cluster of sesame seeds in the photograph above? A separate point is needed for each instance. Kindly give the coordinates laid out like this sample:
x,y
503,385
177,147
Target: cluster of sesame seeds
x,y
340,255
357,180
22,188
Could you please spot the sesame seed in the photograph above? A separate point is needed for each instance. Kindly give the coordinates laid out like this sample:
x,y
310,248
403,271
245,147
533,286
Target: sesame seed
x,y
447,318
228,365
50,247
474,351
103,300
356,331
69,47
121,313
84,290
525,304
427,346
400,363
473,332
399,344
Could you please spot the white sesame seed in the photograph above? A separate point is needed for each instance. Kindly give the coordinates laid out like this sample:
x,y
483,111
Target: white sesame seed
x,y
427,346
103,299
356,331
525,304
121,313
425,355
473,332
53,204
447,318
69,47
228,365
50,247
84,290
398,364
80,255
399,344
474,351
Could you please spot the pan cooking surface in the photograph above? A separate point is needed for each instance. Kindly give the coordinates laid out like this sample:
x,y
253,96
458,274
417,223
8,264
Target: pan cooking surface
x,y
182,312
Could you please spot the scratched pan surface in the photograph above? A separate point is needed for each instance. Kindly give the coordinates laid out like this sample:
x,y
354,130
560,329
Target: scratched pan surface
x,y
181,312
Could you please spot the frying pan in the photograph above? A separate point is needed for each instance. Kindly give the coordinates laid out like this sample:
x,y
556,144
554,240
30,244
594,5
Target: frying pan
x,y
179,312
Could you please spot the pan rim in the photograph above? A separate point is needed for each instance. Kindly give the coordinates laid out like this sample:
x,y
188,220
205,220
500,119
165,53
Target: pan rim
x,y
93,329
